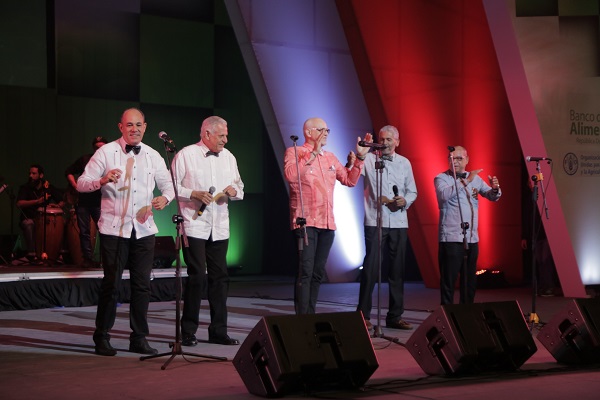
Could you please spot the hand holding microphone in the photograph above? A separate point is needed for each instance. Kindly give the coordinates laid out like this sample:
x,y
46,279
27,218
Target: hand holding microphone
x,y
203,206
401,202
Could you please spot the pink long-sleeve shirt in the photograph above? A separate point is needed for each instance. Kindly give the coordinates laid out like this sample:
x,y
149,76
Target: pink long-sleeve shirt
x,y
318,181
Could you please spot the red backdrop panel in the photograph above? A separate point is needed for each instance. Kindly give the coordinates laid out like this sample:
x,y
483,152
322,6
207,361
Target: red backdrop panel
x,y
429,68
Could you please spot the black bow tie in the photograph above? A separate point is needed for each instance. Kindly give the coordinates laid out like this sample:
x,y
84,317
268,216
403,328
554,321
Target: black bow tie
x,y
462,175
212,153
136,149
386,157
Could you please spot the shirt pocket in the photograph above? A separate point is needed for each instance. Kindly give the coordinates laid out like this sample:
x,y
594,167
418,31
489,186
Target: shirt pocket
x,y
330,175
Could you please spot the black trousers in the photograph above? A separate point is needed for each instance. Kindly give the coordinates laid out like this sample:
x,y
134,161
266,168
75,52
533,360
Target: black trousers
x,y
83,223
451,258
137,255
314,258
206,257
393,246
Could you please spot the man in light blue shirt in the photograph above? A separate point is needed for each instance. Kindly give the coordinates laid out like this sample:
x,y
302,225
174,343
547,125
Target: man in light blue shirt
x,y
398,192
456,209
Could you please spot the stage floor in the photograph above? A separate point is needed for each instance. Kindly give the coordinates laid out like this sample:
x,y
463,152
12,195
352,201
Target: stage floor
x,y
49,353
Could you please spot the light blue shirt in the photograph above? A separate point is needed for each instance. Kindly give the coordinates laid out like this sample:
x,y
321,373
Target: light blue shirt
x,y
397,172
450,229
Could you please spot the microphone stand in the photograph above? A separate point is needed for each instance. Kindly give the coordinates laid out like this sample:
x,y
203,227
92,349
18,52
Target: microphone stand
x,y
44,255
379,166
538,177
464,226
301,222
178,220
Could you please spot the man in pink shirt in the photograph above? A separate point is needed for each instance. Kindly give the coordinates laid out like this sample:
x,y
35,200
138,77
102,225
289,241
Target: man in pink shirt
x,y
319,171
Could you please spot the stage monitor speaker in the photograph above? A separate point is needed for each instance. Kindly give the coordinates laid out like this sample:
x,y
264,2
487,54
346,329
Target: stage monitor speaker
x,y
164,252
294,353
573,335
472,338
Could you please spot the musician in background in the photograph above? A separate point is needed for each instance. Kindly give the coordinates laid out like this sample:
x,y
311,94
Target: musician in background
x,y
87,204
33,195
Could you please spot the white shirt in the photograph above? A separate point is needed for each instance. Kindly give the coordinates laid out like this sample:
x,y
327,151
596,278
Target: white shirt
x,y
127,203
195,170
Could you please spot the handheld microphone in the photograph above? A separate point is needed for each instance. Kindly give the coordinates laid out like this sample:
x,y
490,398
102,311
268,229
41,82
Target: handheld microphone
x,y
395,189
362,143
165,138
529,158
203,206
451,149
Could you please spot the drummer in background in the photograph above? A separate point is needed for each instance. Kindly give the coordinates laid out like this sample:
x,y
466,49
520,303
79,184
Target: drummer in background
x,y
87,204
35,194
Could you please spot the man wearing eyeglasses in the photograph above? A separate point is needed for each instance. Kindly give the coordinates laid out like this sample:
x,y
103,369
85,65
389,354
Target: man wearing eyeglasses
x,y
319,170
458,223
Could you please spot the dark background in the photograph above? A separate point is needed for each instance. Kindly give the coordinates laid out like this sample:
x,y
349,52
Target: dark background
x,y
68,69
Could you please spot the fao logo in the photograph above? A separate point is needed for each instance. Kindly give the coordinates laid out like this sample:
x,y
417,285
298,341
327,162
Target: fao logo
x,y
570,163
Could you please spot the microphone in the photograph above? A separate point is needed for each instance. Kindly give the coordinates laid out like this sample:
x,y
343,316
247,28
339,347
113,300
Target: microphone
x,y
165,138
203,206
529,158
294,138
451,149
395,189
362,143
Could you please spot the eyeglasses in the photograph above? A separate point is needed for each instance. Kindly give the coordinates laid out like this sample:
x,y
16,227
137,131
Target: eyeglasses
x,y
321,130
459,159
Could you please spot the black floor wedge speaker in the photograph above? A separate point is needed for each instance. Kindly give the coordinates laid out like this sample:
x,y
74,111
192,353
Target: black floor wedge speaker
x,y
461,339
572,336
306,353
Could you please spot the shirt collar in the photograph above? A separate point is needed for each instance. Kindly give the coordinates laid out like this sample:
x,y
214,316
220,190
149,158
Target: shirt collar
x,y
311,148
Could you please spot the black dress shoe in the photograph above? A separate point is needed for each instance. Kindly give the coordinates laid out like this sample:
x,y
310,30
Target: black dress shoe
x,y
188,340
141,346
224,340
103,348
